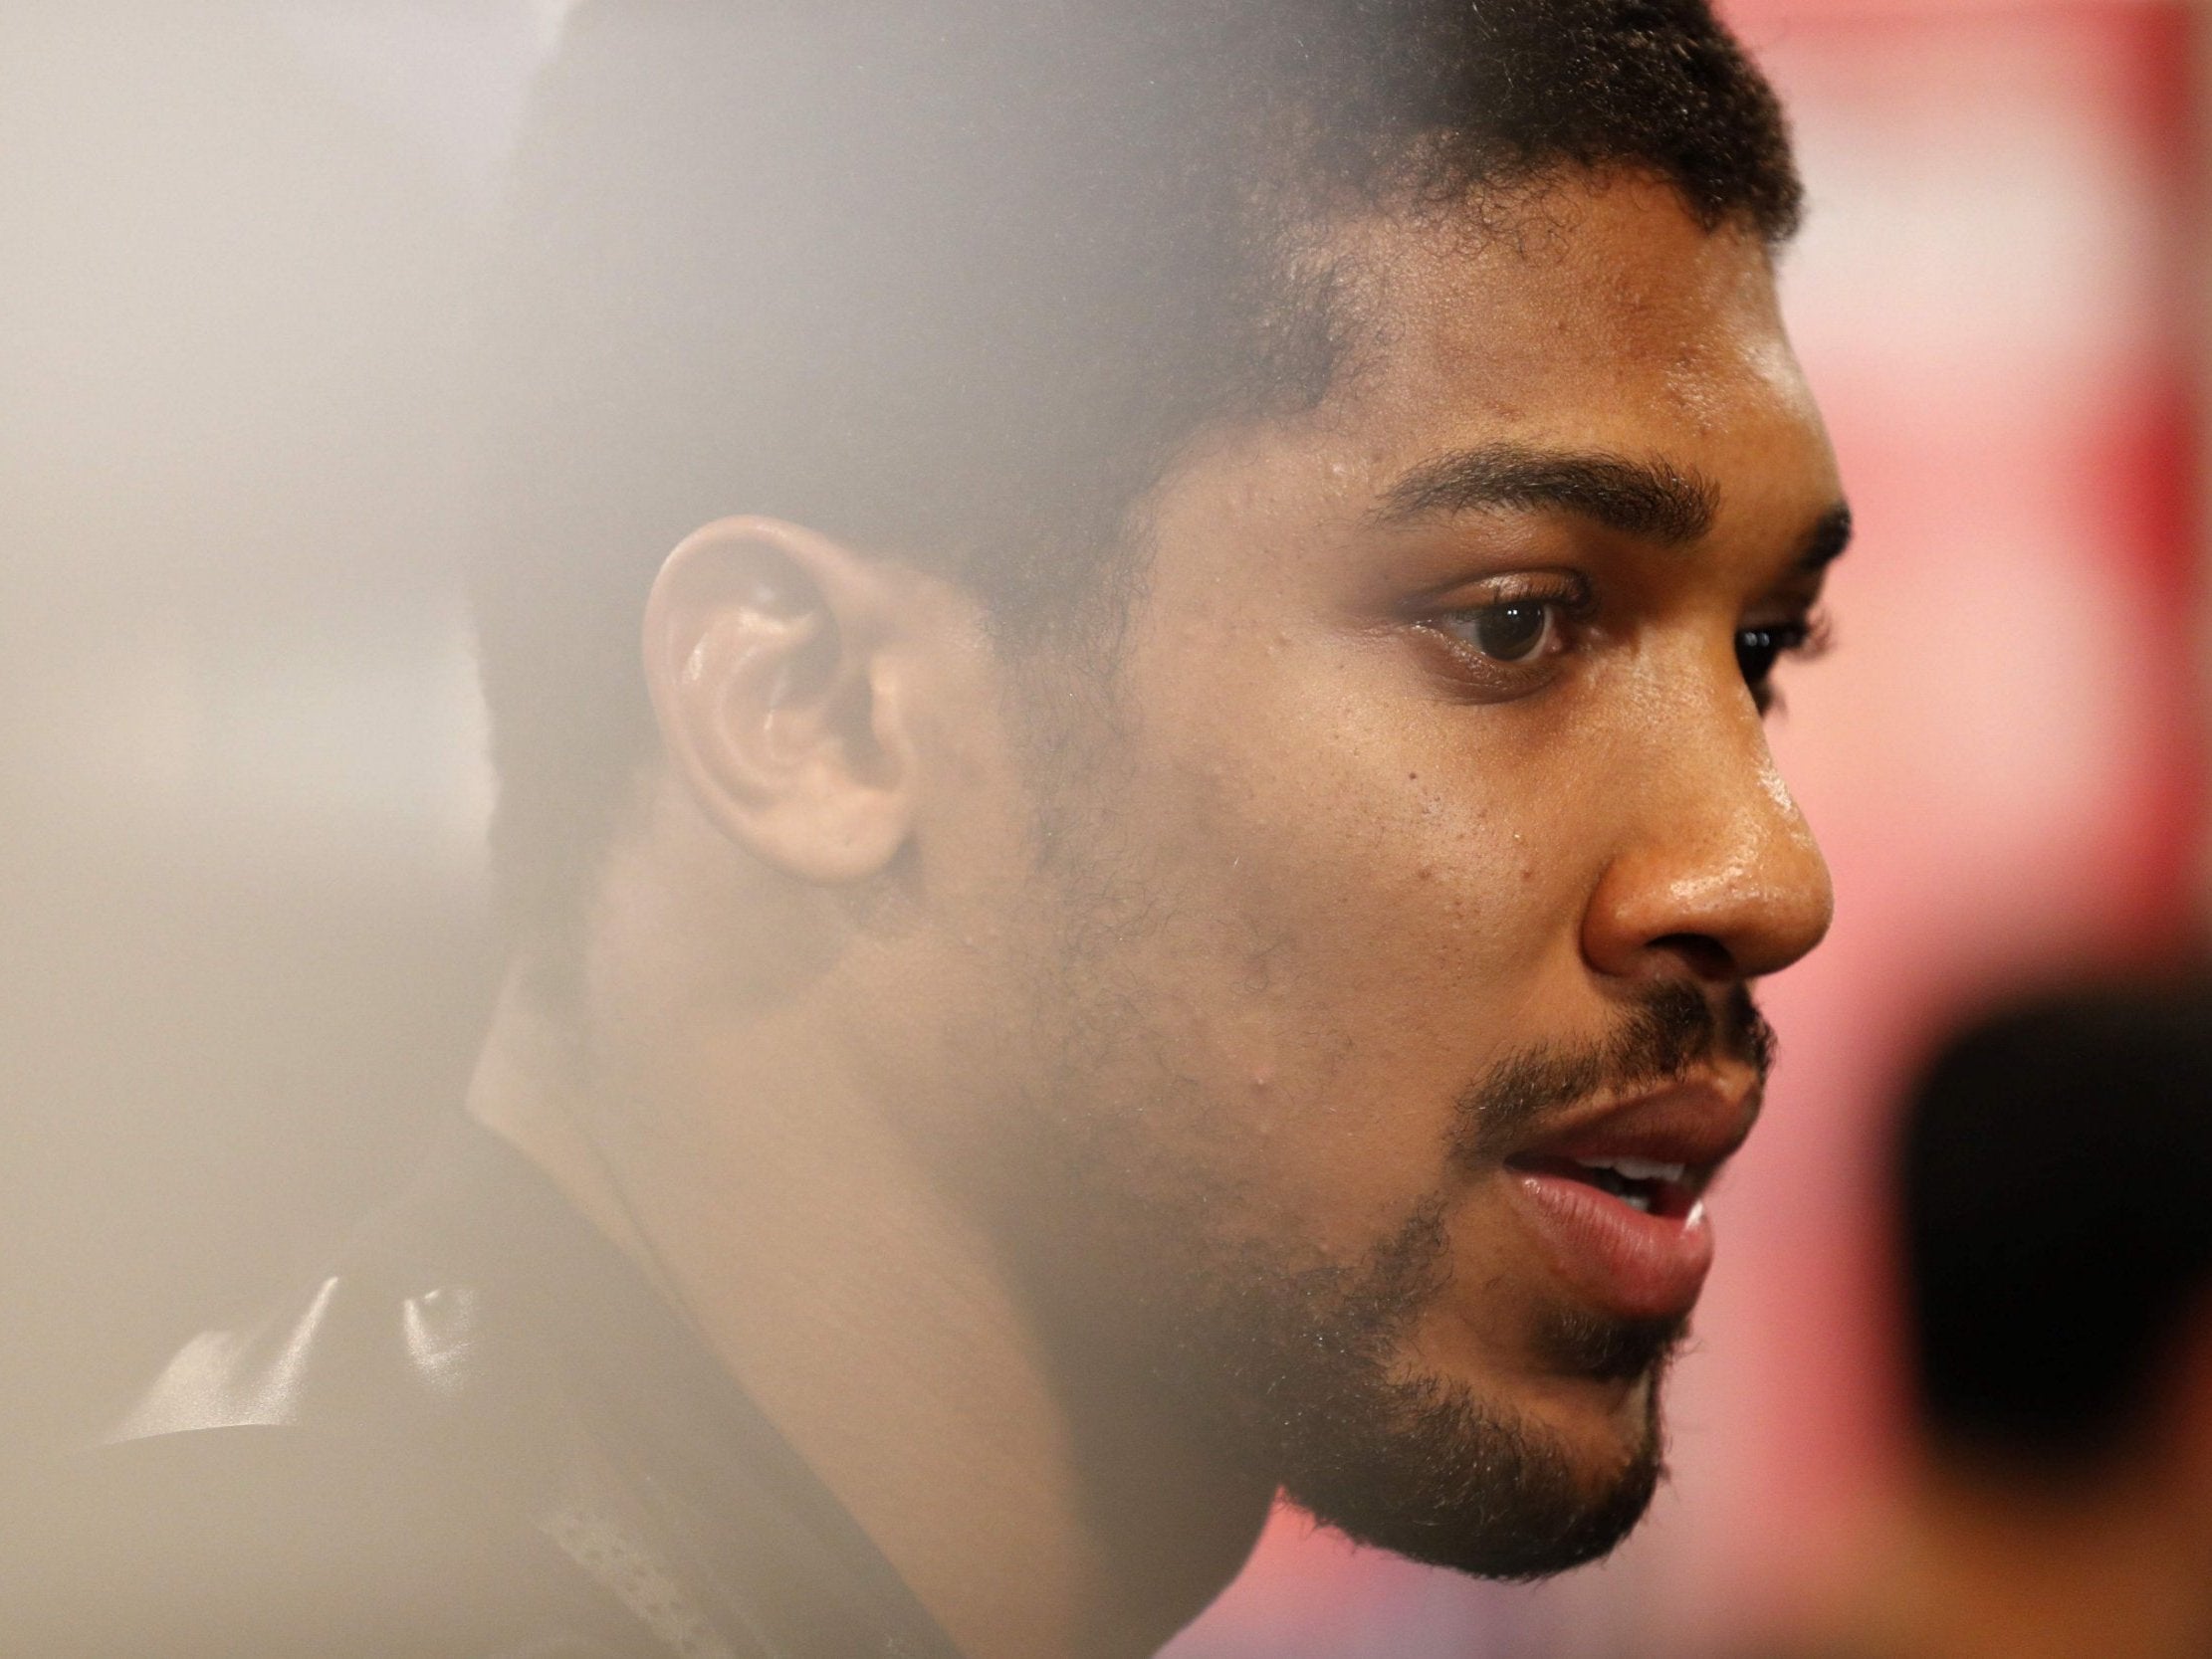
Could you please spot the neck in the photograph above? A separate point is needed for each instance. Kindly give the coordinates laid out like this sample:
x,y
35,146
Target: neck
x,y
1034,1510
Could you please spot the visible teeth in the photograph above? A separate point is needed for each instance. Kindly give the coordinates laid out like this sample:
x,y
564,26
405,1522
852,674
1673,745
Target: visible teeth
x,y
1637,1168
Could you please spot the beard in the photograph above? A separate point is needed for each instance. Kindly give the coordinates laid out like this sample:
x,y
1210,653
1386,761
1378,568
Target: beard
x,y
1157,1277
1301,1378
1294,1369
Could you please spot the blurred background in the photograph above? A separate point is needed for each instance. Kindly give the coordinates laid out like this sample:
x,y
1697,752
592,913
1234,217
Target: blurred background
x,y
242,957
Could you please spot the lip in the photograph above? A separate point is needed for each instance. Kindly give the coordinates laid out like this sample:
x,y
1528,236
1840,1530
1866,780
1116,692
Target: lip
x,y
1634,1263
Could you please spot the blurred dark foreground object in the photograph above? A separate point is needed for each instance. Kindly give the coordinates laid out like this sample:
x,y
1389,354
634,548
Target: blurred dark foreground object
x,y
2054,1180
2055,1187
480,1433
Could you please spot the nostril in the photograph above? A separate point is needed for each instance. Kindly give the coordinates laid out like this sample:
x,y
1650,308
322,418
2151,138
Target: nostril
x,y
1704,956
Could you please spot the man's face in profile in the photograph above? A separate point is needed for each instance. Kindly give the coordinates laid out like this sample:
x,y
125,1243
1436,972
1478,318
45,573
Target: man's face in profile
x,y
1349,1004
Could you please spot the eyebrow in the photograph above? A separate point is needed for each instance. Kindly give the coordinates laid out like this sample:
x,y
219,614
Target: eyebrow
x,y
1650,500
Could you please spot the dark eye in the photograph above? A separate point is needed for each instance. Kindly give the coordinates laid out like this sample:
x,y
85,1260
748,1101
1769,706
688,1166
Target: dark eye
x,y
1512,633
1759,648
1515,632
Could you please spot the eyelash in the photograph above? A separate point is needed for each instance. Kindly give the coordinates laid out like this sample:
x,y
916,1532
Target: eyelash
x,y
1558,603
1802,638
1758,646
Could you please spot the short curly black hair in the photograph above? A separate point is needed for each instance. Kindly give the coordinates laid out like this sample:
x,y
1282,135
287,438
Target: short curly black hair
x,y
955,280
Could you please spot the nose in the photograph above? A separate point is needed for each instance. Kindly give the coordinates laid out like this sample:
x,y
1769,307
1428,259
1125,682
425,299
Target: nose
x,y
1715,871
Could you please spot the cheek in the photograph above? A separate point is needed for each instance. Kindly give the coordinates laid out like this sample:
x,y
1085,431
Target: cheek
x,y
1358,916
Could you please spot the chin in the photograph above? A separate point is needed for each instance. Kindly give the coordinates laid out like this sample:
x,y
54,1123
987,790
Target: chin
x,y
1598,1430
1507,1441
1499,1482
1493,1479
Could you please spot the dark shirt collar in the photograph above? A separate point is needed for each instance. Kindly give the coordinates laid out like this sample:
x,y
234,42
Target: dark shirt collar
x,y
747,1526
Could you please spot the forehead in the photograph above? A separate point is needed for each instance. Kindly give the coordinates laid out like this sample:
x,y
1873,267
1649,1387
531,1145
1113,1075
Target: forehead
x,y
1598,314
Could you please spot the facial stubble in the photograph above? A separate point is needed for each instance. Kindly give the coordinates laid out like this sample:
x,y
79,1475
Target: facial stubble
x,y
1305,1370
1286,1363
1298,1368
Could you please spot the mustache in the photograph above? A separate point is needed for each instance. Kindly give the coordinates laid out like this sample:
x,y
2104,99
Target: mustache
x,y
1673,1028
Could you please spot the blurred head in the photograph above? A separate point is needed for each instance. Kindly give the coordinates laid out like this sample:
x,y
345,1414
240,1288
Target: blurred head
x,y
2058,1247
1229,560
2057,1260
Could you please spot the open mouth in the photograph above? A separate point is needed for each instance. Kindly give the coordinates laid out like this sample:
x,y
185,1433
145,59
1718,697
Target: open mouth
x,y
1670,1191
1615,1199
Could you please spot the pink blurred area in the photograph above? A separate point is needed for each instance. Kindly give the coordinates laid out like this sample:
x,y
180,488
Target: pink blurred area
x,y
243,803
1997,298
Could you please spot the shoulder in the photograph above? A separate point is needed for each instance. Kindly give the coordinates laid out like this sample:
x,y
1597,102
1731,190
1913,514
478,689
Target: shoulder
x,y
374,1351
353,1469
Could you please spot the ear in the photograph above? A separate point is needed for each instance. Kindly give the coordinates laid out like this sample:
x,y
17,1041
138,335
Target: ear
x,y
779,705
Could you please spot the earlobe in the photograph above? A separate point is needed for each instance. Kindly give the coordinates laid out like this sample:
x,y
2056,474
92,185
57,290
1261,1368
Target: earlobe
x,y
768,657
